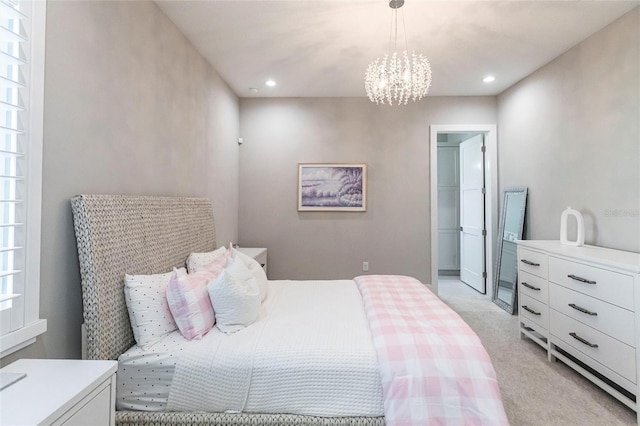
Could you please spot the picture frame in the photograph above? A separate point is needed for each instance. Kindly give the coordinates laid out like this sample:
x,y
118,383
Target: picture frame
x,y
332,187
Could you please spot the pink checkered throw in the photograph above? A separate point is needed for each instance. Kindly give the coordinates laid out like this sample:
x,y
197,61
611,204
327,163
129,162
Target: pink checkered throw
x,y
433,367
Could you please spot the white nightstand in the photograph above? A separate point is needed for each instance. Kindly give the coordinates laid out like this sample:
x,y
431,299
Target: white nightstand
x,y
259,254
60,392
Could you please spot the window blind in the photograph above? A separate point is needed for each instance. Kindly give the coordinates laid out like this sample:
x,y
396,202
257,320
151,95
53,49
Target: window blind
x,y
15,68
13,101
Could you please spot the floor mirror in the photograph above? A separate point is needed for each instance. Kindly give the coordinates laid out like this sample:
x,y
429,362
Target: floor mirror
x,y
505,276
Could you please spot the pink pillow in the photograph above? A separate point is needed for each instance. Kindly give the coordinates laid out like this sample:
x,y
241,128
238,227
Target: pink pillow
x,y
189,303
216,266
196,261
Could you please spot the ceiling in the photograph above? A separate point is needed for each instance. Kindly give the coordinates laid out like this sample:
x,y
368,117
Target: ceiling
x,y
322,48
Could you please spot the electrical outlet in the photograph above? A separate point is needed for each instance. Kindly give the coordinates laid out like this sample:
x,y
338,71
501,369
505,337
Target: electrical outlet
x,y
365,266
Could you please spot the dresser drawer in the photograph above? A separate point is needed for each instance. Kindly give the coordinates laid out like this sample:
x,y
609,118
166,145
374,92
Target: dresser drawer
x,y
617,322
533,286
537,330
532,262
611,353
93,410
533,310
609,286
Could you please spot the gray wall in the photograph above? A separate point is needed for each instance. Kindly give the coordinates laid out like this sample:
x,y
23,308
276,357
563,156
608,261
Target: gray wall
x,y
130,108
570,132
393,235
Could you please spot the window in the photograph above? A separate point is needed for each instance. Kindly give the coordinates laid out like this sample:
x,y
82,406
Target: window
x,y
22,29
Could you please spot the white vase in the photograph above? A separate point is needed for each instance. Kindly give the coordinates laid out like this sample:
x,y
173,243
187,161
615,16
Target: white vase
x,y
579,241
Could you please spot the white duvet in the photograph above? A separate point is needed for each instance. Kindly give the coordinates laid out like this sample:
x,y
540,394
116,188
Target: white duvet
x,y
309,353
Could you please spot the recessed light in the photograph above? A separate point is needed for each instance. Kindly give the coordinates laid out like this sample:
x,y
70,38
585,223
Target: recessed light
x,y
253,90
488,79
270,83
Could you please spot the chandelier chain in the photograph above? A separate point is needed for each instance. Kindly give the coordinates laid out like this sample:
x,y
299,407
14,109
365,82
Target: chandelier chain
x,y
406,43
395,35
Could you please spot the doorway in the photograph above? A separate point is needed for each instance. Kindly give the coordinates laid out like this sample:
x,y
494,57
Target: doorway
x,y
450,136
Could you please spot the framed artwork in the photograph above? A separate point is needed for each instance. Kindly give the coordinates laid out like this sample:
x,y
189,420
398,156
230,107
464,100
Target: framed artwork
x,y
332,187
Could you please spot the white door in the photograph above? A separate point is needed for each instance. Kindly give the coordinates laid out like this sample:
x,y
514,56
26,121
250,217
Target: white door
x,y
472,213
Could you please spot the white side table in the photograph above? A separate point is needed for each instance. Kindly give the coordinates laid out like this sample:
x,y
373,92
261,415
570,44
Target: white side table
x,y
60,392
259,254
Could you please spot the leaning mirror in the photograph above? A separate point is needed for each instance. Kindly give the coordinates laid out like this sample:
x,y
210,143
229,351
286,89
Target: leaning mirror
x,y
505,276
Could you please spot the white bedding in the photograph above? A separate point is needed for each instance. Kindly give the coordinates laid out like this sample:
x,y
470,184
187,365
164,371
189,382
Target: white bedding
x,y
144,376
309,353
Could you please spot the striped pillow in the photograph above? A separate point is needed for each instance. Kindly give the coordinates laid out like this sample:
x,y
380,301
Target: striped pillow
x,y
189,303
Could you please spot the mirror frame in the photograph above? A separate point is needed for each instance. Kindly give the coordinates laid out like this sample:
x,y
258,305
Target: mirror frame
x,y
509,307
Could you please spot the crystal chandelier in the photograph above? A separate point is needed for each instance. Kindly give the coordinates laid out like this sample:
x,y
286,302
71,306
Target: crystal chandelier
x,y
398,76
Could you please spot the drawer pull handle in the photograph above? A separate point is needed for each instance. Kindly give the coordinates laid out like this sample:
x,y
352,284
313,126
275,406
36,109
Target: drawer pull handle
x,y
582,280
530,286
526,308
528,262
581,340
583,310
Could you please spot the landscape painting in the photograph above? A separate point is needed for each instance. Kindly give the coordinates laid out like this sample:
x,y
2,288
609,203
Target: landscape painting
x,y
332,187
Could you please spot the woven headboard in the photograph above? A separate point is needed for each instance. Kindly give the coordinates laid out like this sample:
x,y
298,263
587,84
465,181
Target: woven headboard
x,y
119,234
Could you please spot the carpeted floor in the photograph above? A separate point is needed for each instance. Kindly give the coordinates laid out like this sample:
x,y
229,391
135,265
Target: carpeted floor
x,y
534,391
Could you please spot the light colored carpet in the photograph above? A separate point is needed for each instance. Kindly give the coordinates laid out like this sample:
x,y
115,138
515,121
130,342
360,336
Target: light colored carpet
x,y
534,391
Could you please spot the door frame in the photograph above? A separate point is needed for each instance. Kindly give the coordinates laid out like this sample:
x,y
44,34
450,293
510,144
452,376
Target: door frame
x,y
491,200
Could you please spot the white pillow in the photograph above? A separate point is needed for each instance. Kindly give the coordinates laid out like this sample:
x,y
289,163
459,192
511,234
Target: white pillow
x,y
256,270
196,261
149,312
235,297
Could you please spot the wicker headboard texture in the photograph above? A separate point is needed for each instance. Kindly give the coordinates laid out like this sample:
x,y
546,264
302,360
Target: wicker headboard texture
x,y
118,235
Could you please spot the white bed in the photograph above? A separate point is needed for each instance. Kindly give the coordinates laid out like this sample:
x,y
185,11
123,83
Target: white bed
x,y
305,329
375,350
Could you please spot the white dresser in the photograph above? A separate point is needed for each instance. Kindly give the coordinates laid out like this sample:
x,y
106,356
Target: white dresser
x,y
582,304
60,392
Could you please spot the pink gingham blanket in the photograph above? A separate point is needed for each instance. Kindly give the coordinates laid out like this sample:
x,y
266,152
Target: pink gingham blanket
x,y
433,367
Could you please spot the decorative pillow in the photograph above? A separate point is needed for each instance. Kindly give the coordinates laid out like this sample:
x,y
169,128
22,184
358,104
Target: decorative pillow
x,y
149,313
215,267
189,303
235,297
256,270
196,261
236,266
